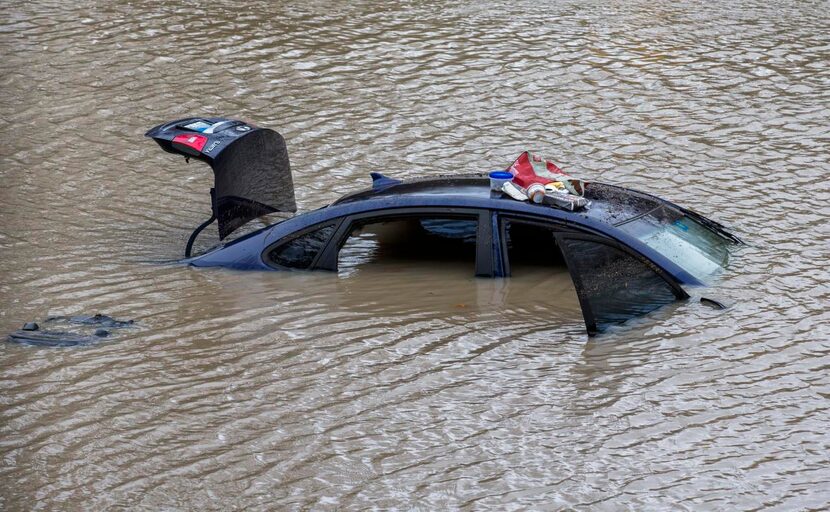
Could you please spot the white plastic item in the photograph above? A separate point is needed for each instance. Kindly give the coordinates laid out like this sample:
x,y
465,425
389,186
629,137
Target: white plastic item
x,y
513,191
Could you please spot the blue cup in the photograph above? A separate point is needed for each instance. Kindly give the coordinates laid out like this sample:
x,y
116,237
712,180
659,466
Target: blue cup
x,y
499,178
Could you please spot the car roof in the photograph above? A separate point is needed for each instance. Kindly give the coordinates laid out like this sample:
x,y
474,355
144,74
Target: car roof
x,y
610,205
469,186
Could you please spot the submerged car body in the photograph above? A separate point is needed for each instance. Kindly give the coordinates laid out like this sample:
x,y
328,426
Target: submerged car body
x,y
628,254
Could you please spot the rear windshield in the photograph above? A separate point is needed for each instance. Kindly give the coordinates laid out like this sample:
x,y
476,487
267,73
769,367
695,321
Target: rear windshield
x,y
691,245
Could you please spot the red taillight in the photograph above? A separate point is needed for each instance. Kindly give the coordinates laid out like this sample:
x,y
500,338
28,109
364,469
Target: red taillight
x,y
190,143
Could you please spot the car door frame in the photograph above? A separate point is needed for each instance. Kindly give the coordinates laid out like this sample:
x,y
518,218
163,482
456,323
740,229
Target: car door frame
x,y
562,231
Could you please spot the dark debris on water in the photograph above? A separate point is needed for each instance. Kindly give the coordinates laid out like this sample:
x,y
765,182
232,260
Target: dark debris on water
x,y
89,329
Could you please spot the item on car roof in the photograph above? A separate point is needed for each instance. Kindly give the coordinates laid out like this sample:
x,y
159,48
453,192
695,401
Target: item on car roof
x,y
514,191
565,200
498,179
530,168
542,181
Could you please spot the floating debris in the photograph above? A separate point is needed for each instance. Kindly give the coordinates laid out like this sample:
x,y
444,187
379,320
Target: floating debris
x,y
32,334
96,319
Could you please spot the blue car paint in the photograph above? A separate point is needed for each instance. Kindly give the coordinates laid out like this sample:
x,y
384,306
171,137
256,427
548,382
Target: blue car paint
x,y
246,253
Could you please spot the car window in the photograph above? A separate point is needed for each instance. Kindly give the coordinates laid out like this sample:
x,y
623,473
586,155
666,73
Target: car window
x,y
536,267
530,245
694,247
612,285
300,252
403,242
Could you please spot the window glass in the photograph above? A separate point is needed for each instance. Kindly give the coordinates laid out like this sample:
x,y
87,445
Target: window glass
x,y
694,247
530,246
463,230
400,243
300,252
613,285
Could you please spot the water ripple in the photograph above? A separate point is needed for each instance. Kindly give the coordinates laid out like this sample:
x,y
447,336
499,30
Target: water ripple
x,y
369,390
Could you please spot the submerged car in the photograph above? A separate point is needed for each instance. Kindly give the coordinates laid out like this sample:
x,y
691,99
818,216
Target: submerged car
x,y
628,254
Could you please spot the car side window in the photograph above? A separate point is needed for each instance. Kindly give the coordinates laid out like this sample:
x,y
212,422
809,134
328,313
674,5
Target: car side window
x,y
528,245
408,240
613,286
299,253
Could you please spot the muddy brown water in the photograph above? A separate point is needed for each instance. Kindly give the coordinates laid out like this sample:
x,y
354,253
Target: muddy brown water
x,y
411,386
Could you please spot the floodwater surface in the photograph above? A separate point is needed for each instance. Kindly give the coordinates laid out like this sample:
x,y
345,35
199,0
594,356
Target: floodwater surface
x,y
411,386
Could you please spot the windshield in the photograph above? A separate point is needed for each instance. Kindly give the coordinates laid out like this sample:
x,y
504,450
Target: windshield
x,y
691,245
